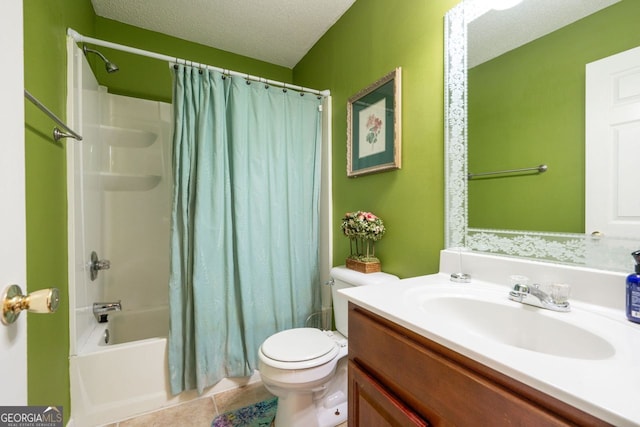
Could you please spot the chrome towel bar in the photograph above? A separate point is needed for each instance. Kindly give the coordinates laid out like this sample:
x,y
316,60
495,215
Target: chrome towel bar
x,y
57,133
538,169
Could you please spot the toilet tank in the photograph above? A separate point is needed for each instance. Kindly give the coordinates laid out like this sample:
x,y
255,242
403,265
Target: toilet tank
x,y
345,278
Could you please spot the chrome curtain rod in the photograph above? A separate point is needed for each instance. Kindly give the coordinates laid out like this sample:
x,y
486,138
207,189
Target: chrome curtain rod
x,y
79,38
57,133
538,169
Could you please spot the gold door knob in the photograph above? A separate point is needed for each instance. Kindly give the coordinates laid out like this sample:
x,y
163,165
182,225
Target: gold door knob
x,y
13,302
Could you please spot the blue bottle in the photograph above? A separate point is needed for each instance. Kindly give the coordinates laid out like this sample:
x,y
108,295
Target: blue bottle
x,y
633,291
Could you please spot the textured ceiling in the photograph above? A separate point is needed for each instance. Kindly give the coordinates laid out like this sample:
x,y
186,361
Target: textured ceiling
x,y
277,31
526,22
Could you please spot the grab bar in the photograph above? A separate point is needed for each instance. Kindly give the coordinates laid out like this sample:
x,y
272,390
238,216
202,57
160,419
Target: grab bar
x,y
57,133
538,169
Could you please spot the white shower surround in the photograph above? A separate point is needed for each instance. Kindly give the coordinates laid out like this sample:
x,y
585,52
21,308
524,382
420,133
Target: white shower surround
x,y
119,206
119,201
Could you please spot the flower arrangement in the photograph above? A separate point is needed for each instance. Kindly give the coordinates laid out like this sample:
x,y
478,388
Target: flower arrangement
x,y
363,229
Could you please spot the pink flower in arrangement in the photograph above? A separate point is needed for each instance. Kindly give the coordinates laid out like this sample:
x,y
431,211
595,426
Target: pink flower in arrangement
x,y
363,225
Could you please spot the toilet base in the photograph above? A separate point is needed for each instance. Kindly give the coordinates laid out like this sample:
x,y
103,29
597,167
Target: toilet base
x,y
300,410
323,408
295,410
333,416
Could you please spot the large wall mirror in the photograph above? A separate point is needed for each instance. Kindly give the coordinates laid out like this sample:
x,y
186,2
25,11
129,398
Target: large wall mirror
x,y
515,99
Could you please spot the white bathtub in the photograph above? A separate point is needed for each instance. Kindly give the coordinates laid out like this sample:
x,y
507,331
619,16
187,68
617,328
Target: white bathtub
x,y
114,381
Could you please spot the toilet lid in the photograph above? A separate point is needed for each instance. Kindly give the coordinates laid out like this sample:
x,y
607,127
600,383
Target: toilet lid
x,y
298,345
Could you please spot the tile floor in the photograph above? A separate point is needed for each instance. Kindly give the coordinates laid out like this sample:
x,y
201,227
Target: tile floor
x,y
201,412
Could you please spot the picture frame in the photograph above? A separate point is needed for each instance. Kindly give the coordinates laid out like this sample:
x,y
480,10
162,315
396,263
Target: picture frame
x,y
374,127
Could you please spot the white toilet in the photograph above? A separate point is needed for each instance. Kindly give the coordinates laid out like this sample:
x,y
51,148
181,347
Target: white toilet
x,y
306,368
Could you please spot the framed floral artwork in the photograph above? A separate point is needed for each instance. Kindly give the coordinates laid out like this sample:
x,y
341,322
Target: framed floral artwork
x,y
373,127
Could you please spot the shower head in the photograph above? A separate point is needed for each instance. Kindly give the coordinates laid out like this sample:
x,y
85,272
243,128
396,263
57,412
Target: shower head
x,y
108,65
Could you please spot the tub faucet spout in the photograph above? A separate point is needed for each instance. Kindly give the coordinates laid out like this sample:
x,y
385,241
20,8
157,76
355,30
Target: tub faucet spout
x,y
102,309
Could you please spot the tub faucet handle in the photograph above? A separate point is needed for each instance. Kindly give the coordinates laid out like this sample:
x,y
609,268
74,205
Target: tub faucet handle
x,y
97,264
102,264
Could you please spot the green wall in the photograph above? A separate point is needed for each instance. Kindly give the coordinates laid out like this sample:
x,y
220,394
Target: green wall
x,y
509,129
45,23
369,41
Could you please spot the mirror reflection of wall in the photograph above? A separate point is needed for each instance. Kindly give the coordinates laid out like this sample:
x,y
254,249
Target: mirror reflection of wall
x,y
526,108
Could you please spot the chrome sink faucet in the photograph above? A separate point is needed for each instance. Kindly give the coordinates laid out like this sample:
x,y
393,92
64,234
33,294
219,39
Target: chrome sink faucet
x,y
556,300
102,309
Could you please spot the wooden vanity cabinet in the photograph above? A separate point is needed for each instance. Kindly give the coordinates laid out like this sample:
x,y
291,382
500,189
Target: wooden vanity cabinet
x,y
400,378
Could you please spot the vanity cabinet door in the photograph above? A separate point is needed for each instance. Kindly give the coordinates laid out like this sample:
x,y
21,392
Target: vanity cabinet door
x,y
438,384
371,405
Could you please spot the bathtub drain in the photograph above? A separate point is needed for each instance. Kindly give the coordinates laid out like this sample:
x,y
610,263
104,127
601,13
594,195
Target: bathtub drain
x,y
106,336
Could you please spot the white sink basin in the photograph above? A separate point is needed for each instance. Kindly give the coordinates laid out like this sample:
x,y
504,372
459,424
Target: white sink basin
x,y
518,325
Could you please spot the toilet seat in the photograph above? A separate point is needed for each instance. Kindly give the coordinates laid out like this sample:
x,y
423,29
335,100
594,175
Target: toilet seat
x,y
298,348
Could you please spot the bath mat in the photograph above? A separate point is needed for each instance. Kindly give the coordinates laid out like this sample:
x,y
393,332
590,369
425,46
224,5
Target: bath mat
x,y
259,414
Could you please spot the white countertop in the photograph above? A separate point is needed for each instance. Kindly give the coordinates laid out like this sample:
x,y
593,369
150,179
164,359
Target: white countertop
x,y
607,387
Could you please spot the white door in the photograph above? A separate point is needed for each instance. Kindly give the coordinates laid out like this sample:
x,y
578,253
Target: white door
x,y
612,199
13,338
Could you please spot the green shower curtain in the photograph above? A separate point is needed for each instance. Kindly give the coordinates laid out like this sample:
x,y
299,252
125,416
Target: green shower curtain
x,y
244,226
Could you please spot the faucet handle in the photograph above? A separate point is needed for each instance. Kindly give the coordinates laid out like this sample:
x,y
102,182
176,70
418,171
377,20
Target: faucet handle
x,y
519,291
560,293
520,288
97,264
